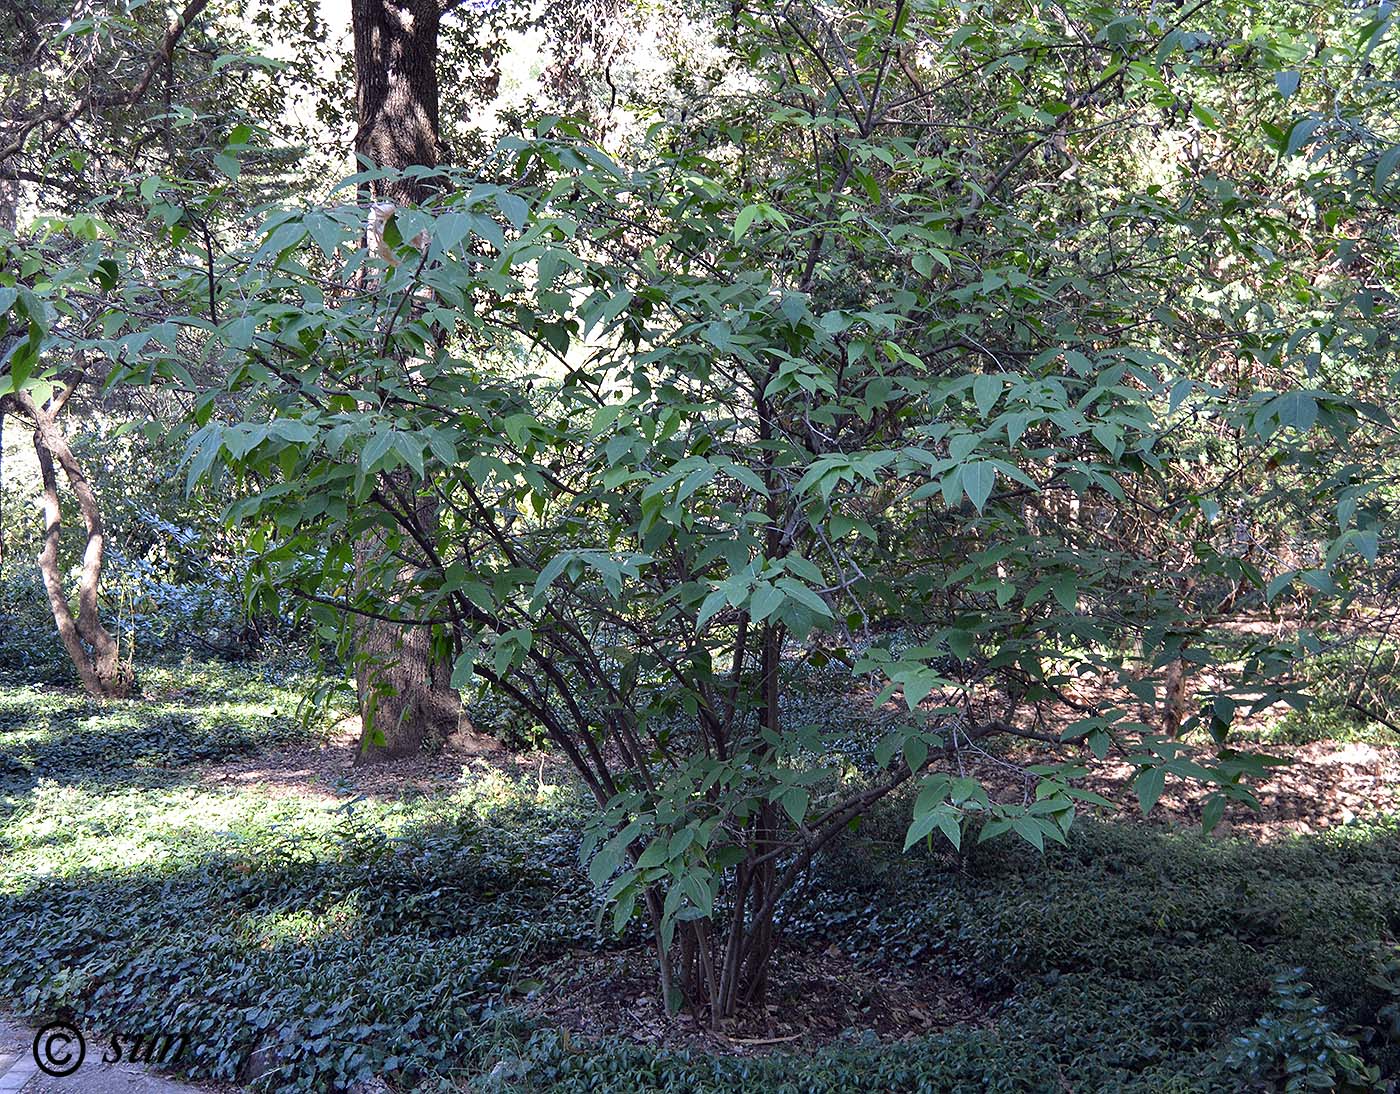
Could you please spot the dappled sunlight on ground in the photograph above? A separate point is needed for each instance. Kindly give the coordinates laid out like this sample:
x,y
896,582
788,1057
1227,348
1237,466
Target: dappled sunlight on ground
x,y
208,858
329,771
1323,785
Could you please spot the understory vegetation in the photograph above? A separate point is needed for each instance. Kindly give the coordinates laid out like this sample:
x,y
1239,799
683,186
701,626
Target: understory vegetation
x,y
772,545
334,935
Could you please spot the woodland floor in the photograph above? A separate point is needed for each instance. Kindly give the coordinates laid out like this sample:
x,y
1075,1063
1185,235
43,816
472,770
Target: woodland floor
x,y
817,996
152,848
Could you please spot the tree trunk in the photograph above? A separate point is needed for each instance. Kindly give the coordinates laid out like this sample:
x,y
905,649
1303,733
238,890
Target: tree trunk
x,y
396,90
404,691
9,206
94,652
1176,695
407,691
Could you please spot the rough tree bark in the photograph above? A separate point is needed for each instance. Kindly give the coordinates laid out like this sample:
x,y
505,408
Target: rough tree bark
x,y
404,691
94,652
1175,697
396,90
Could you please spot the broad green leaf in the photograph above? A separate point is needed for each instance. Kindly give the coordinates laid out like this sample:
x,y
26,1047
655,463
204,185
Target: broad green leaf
x,y
978,480
1149,784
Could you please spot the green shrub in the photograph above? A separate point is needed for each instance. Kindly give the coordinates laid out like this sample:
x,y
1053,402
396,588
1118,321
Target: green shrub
x,y
1297,1046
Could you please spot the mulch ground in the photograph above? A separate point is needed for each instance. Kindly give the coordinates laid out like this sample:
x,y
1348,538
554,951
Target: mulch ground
x,y
813,999
1324,784
328,770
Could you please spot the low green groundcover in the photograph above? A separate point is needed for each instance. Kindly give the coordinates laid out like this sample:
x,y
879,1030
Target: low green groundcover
x,y
343,939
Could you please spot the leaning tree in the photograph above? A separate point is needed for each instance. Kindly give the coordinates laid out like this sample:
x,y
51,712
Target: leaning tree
x,y
118,128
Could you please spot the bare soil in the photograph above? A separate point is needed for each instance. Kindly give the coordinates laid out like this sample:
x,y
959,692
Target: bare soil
x,y
329,771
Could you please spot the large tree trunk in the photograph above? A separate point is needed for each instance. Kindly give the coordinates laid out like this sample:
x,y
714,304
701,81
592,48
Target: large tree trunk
x,y
405,694
94,652
404,689
396,90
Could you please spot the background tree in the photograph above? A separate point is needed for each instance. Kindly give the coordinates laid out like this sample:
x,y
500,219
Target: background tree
x,y
96,109
91,647
403,678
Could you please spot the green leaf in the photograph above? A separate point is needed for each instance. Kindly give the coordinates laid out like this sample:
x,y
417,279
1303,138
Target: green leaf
x,y
986,390
1300,133
794,802
462,669
942,817
915,753
804,596
612,855
712,604
1212,812
514,208
1065,586
553,568
978,480
1148,785
1016,425
1320,580
766,600
656,853
1385,166
1296,409
1030,830
410,448
747,215
1278,583
239,333
1180,389
622,911
377,451
960,643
